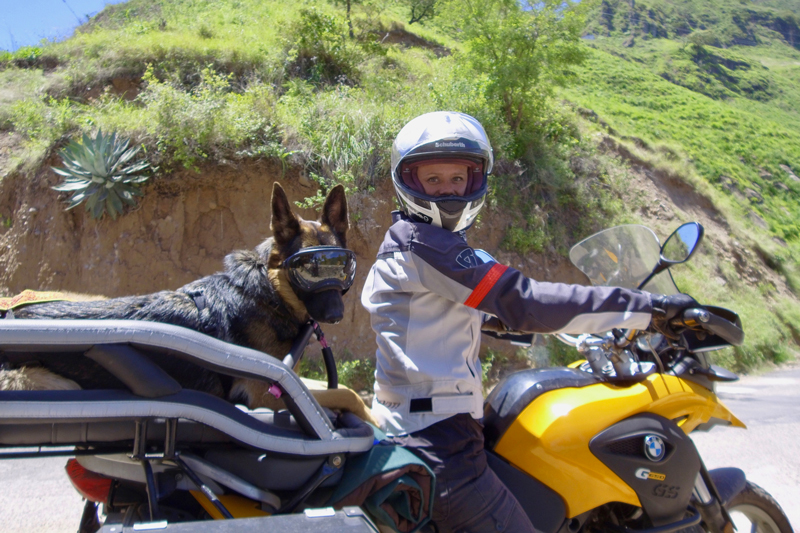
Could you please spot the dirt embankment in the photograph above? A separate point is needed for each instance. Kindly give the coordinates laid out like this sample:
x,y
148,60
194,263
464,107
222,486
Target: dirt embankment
x,y
182,229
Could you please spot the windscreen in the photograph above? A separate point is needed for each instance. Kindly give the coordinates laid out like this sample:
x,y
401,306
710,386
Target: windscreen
x,y
622,256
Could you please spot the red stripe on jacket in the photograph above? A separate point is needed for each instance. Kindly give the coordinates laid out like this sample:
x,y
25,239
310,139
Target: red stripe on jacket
x,y
486,284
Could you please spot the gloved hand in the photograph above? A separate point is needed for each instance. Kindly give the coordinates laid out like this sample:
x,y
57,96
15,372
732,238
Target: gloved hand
x,y
494,325
667,307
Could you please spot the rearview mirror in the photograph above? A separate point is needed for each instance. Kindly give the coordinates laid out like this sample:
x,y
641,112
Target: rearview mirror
x,y
680,246
677,249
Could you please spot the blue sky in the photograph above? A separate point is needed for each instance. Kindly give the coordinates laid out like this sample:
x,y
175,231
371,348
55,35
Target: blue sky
x,y
27,22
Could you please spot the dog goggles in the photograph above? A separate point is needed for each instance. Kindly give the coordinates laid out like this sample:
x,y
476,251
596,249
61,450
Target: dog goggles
x,y
320,268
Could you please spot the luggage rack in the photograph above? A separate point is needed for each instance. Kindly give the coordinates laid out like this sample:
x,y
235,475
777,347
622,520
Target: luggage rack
x,y
156,423
32,418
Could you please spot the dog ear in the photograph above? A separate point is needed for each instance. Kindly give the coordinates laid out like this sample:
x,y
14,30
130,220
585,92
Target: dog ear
x,y
284,223
334,212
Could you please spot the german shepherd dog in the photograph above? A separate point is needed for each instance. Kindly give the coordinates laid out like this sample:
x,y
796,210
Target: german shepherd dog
x,y
250,303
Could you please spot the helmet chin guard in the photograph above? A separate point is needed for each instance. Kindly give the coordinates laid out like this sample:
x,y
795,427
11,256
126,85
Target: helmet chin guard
x,y
454,213
442,137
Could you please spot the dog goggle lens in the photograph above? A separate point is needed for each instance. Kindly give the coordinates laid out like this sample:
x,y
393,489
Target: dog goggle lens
x,y
321,268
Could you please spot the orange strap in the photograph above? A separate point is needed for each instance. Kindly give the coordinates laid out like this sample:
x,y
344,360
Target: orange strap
x,y
486,284
29,297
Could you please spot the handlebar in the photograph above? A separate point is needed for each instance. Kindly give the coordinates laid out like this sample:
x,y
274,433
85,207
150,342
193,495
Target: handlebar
x,y
586,340
716,320
568,339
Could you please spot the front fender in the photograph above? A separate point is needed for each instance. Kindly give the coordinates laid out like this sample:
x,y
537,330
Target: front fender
x,y
729,483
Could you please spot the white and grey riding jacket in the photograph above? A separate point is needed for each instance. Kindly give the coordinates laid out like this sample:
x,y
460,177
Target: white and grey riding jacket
x,y
428,294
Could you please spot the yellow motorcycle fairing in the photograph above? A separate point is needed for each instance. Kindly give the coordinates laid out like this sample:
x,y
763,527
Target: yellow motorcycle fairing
x,y
238,506
550,438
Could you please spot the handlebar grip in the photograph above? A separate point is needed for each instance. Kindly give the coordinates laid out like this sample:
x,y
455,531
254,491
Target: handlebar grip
x,y
692,318
703,318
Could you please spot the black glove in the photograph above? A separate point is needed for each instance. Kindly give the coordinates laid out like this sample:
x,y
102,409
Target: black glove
x,y
667,307
494,325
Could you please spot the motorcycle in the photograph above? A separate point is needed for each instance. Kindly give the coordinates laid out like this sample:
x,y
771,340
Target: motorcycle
x,y
603,445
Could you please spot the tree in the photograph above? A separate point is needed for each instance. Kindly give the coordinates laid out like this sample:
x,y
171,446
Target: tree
x,y
524,48
421,10
347,4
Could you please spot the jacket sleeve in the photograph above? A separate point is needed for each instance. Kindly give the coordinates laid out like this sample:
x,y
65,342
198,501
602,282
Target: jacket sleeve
x,y
451,270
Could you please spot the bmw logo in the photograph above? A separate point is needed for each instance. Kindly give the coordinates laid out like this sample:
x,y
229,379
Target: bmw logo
x,y
654,448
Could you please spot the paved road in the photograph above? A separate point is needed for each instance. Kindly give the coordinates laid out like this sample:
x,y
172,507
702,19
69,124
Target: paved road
x,y
35,494
769,450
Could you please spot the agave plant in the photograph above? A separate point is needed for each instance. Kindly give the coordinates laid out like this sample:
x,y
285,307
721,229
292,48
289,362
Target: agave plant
x,y
99,172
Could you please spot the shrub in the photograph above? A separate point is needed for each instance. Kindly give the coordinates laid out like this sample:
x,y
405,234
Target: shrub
x,y
561,354
25,57
531,237
704,38
318,51
467,92
29,118
524,48
345,139
357,374
496,365
190,125
101,173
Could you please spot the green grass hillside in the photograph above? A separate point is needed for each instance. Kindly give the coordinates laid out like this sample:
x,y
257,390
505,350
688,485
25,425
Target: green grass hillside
x,y
706,91
711,90
743,57
746,150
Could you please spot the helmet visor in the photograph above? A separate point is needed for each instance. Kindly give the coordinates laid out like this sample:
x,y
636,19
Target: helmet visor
x,y
321,268
475,176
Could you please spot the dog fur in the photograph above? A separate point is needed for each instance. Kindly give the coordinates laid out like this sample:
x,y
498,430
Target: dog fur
x,y
250,303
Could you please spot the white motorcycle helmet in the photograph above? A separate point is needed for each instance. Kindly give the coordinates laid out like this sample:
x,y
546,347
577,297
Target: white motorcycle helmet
x,y
442,137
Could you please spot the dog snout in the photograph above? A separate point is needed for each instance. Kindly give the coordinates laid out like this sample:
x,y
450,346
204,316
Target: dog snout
x,y
326,306
331,315
332,318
